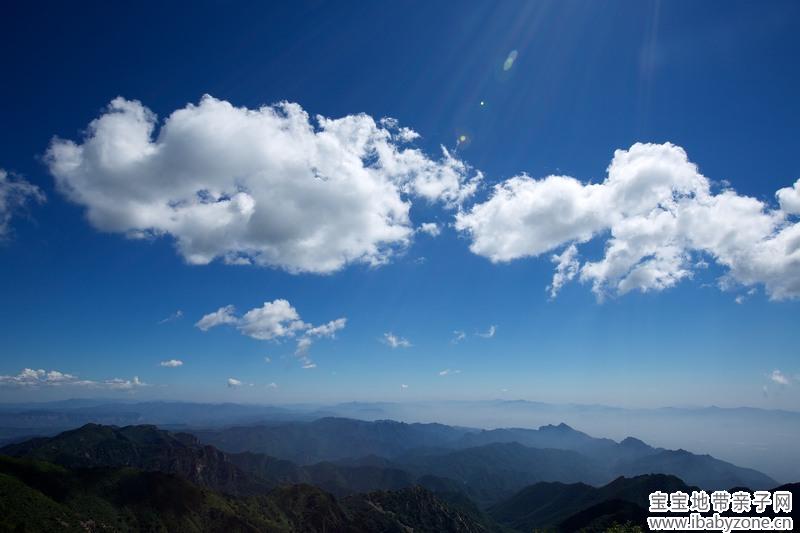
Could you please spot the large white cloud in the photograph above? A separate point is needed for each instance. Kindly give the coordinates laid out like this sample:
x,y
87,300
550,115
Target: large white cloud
x,y
15,194
656,214
269,186
274,321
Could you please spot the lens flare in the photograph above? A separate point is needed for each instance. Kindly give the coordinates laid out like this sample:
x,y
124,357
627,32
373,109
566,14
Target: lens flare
x,y
509,62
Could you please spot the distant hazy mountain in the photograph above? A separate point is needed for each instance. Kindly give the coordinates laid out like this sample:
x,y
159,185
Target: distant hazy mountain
x,y
329,439
494,471
630,457
469,455
763,439
701,470
549,505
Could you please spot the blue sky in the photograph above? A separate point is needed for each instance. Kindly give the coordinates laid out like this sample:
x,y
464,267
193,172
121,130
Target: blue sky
x,y
81,297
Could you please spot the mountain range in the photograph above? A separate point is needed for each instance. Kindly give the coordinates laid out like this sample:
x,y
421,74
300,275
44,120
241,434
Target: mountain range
x,y
506,459
336,474
759,438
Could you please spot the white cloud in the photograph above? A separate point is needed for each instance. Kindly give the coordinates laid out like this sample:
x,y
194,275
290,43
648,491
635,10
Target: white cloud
x,y
324,331
270,321
177,315
567,266
789,199
431,228
267,359
15,194
655,212
268,186
123,384
272,385
447,372
274,321
489,333
403,386
779,377
393,341
223,315
172,363
458,336
32,378
234,383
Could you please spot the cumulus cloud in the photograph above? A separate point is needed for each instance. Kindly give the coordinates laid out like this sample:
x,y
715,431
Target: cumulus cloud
x,y
447,372
779,377
171,363
274,321
655,212
431,228
269,186
272,385
789,199
489,333
36,378
393,341
403,386
15,194
234,383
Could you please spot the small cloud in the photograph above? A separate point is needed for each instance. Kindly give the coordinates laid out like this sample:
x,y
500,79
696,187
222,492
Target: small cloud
x,y
308,365
15,195
421,260
273,321
780,378
740,299
403,386
458,336
272,385
234,383
172,363
31,378
567,267
177,315
393,341
223,315
431,228
447,372
123,384
489,333
267,359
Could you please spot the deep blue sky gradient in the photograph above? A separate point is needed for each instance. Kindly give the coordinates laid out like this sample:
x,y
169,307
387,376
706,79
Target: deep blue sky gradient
x,y
717,78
